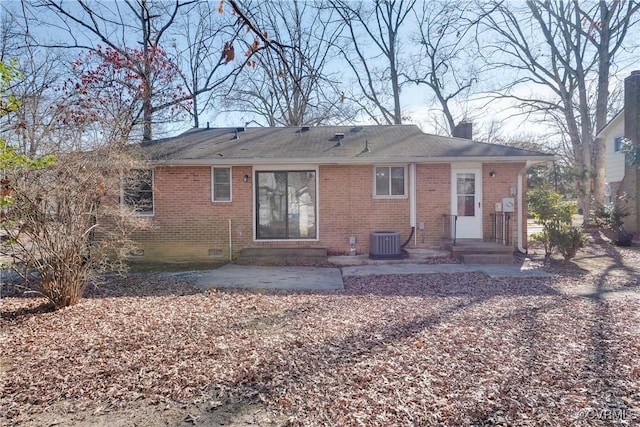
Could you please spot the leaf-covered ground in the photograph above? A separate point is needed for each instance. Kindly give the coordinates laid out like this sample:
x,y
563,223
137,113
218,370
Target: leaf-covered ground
x,y
447,349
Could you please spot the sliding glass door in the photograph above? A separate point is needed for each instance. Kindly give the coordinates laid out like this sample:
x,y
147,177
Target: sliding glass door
x,y
286,205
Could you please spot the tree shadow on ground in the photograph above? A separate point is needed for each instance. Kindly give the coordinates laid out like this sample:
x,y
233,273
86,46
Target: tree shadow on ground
x,y
446,285
23,312
471,290
604,363
112,286
139,285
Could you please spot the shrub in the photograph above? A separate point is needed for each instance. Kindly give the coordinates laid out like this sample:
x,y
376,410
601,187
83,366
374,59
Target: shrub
x,y
545,240
555,214
611,217
549,208
569,240
64,224
60,219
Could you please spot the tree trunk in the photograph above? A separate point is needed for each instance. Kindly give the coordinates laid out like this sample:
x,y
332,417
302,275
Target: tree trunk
x,y
602,100
196,114
147,107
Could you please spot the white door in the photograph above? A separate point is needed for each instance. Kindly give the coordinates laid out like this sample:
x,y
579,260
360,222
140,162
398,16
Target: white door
x,y
466,202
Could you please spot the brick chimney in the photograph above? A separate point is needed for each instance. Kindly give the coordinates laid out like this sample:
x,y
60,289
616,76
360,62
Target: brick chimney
x,y
464,130
632,107
631,181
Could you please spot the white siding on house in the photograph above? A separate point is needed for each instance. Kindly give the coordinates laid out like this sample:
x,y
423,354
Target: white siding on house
x,y
614,160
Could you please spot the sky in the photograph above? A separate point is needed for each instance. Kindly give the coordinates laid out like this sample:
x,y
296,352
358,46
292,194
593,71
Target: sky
x,y
416,100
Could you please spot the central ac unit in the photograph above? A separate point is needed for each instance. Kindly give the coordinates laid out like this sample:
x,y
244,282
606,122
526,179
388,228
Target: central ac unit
x,y
385,245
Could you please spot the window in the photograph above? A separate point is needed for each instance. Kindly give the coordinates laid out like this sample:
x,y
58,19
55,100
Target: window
x,y
286,205
617,144
221,184
466,193
390,181
607,195
137,191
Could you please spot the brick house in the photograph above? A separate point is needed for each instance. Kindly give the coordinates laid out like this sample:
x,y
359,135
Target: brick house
x,y
623,178
213,192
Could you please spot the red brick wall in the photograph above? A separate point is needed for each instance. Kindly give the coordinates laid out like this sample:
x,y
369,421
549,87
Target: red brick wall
x,y
498,187
188,226
433,200
348,208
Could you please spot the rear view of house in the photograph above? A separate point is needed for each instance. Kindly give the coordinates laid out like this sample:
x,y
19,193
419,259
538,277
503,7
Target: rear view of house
x,y
214,192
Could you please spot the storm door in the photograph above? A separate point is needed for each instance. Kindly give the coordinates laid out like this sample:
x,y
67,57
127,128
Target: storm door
x,y
466,202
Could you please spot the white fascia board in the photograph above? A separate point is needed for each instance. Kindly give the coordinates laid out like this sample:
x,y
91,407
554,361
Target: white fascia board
x,y
613,122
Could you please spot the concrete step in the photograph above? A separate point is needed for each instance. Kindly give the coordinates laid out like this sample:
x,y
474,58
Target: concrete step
x,y
423,253
487,258
485,248
275,255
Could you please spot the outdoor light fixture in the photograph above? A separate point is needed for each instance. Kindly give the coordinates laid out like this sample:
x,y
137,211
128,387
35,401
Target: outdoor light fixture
x,y
492,174
245,178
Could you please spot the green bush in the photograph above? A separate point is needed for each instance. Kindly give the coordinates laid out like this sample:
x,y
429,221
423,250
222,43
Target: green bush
x,y
611,217
544,239
554,214
549,208
569,240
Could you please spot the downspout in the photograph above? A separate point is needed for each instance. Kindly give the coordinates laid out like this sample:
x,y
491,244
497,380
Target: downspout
x,y
412,196
520,202
230,244
412,203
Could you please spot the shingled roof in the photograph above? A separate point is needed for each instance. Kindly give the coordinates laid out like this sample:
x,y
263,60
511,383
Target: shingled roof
x,y
326,145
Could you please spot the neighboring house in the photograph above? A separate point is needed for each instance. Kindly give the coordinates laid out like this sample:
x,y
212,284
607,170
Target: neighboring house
x,y
622,178
212,192
613,134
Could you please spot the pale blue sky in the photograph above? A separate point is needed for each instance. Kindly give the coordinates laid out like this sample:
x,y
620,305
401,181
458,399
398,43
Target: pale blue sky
x,y
415,99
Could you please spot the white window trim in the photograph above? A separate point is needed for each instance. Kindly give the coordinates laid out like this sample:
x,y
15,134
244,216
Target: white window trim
x,y
287,168
153,195
621,144
390,196
213,200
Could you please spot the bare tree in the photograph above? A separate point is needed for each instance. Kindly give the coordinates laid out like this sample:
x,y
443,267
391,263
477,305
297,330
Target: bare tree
x,y
34,127
606,26
372,51
446,61
546,45
291,87
114,27
37,126
11,31
203,39
52,207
